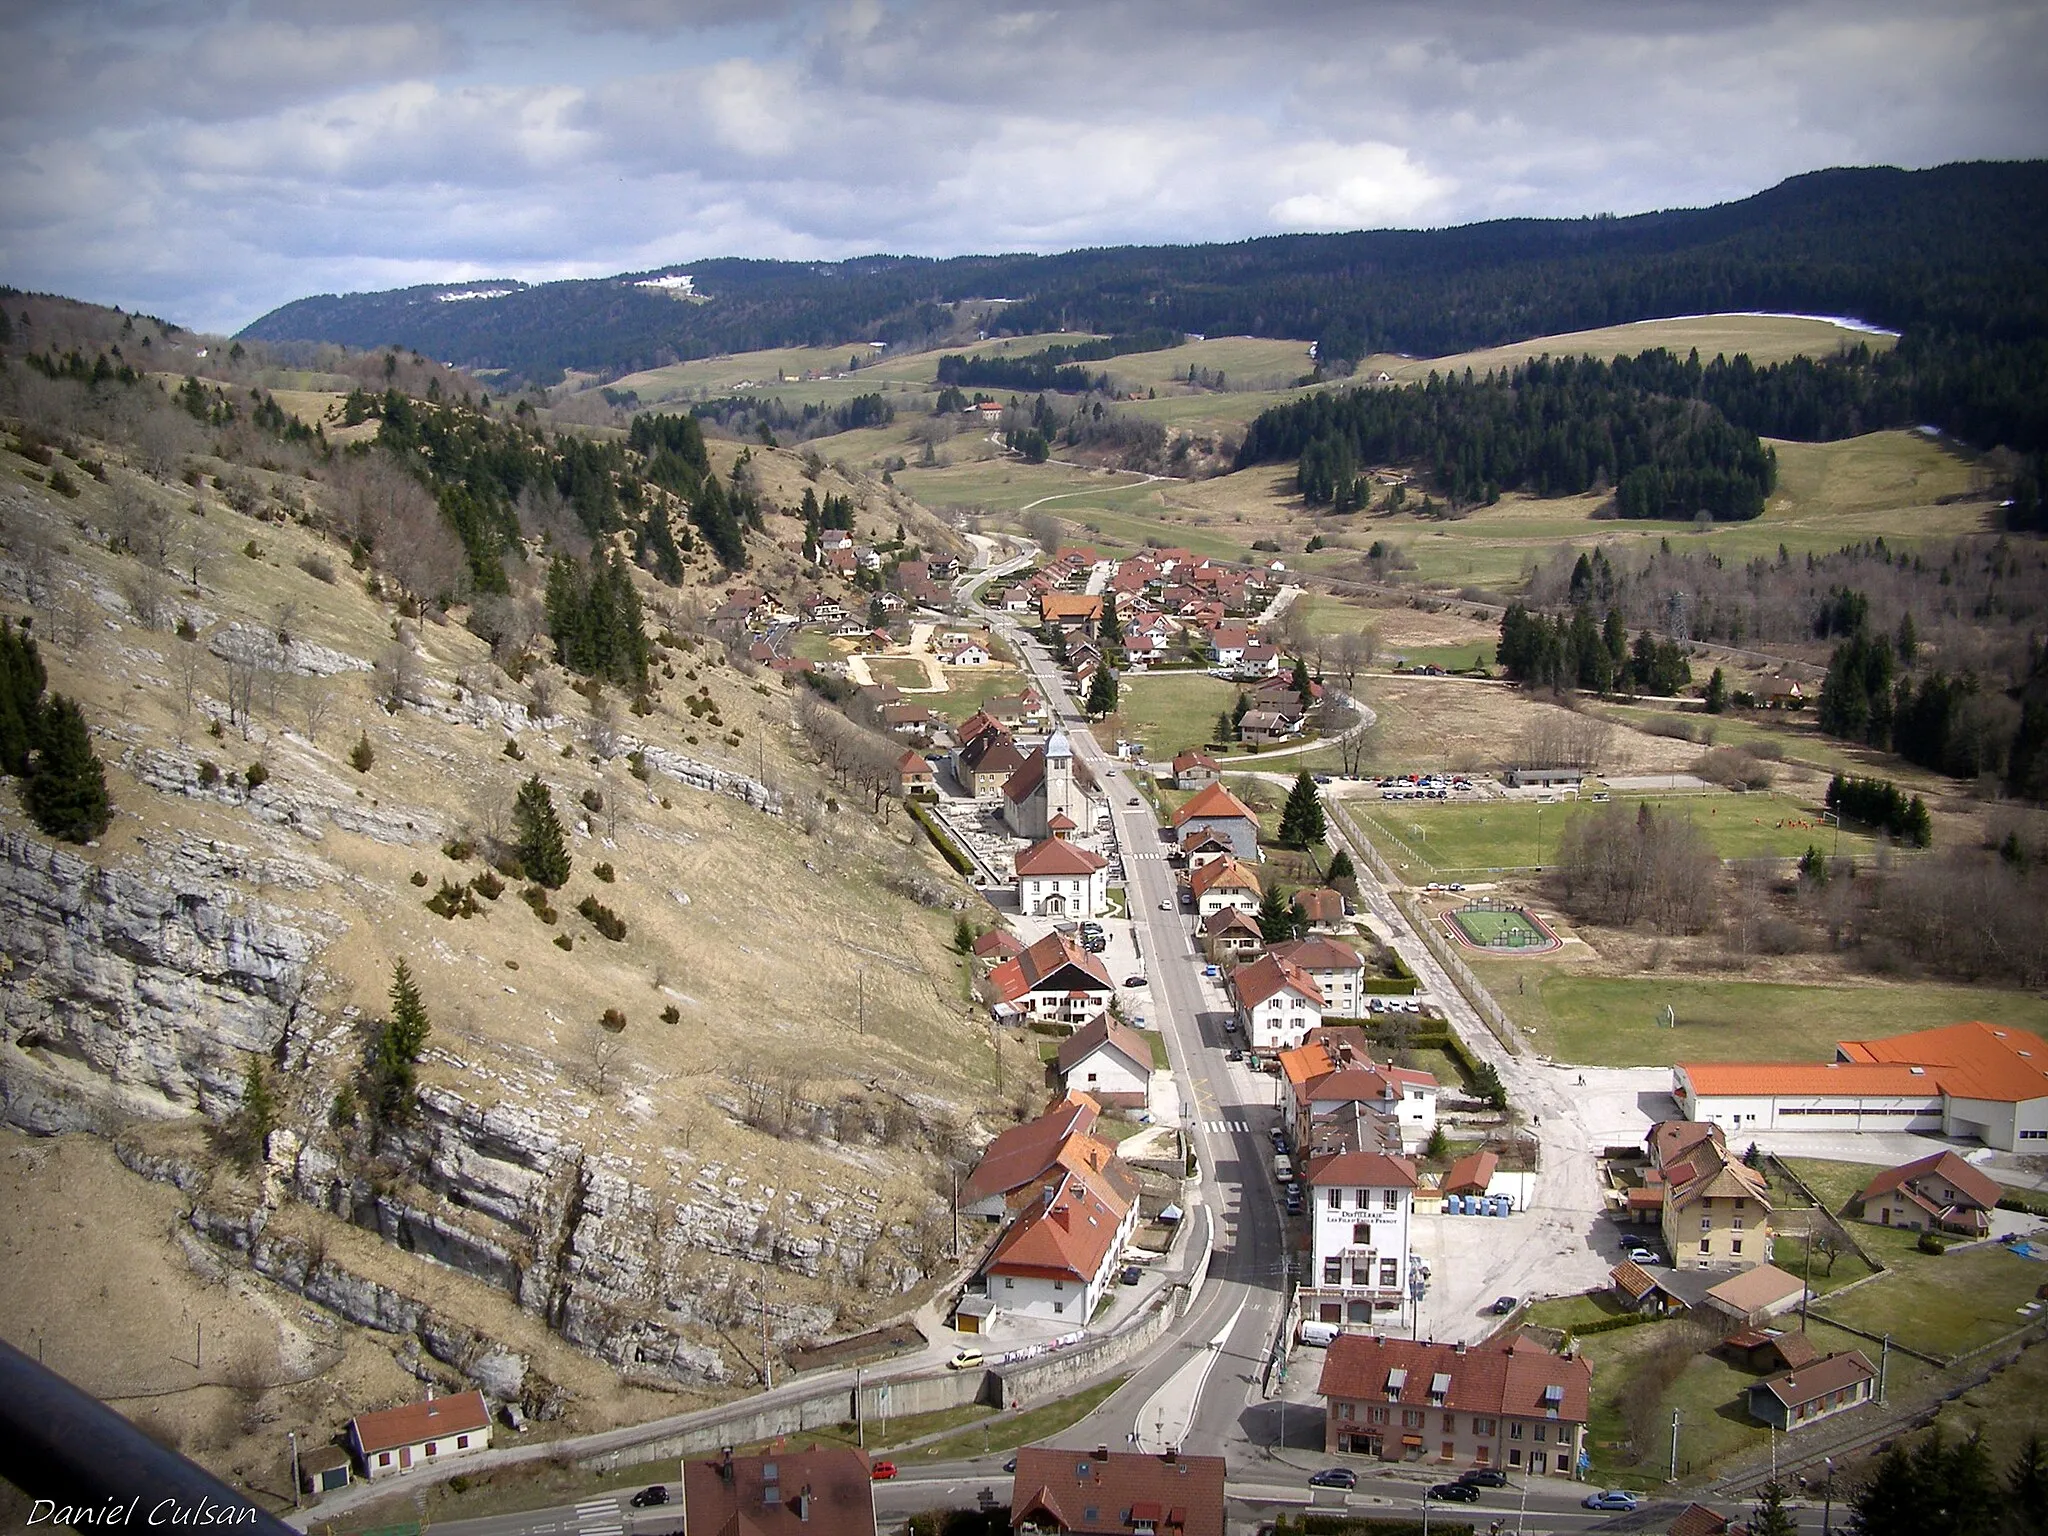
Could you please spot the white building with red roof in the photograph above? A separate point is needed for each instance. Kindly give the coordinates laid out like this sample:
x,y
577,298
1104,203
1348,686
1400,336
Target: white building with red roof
x,y
1054,980
1338,970
1277,1003
1986,1081
1057,1259
1939,1192
1057,878
1221,883
395,1440
1214,809
1116,1493
1108,1061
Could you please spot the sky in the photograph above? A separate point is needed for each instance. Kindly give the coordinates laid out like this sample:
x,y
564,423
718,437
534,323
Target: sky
x,y
208,162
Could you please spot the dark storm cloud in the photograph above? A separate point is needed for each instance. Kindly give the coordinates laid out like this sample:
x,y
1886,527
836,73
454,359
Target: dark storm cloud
x,y
209,163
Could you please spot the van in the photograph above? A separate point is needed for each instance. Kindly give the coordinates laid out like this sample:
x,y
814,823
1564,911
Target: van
x,y
1283,1168
1318,1334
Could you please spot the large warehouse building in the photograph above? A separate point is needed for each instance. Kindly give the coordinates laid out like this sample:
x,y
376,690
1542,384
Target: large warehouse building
x,y
1967,1080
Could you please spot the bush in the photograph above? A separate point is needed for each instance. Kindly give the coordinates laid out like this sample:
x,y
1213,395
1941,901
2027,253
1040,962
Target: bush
x,y
187,630
256,776
614,1019
488,886
63,484
458,849
636,762
604,872
362,754
537,899
209,772
319,567
419,877
512,751
564,943
1930,1244
603,918
593,802
671,1014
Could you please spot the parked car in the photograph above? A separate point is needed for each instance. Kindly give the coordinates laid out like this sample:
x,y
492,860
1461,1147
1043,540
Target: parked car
x,y
1230,1026
1132,801
1210,971
1504,1305
648,1497
882,1471
1132,1274
1322,778
1010,1465
1333,1477
1134,981
1293,1203
1455,1493
1638,1254
964,1360
1484,1477
1236,1054
1611,1498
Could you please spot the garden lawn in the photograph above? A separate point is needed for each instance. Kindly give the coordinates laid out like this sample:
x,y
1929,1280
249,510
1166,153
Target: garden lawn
x,y
968,688
1610,1021
899,670
1789,1254
1835,1184
1946,1305
1172,711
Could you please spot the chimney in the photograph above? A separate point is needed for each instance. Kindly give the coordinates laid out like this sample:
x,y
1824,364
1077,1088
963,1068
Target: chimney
x,y
1172,1453
1102,1453
725,1465
803,1503
1460,1346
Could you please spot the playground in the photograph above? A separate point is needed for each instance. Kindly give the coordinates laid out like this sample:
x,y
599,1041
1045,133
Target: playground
x,y
1501,927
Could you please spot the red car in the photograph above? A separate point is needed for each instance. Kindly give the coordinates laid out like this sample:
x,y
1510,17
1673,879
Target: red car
x,y
883,1471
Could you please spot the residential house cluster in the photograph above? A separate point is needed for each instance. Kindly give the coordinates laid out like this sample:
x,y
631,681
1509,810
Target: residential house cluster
x,y
1068,1206
1713,1210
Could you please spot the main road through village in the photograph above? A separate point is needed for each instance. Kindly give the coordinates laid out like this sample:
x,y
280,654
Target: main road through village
x,y
1207,1386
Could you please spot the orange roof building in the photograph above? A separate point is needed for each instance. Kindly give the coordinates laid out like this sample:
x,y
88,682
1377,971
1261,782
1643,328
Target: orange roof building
x,y
819,1492
395,1440
1055,980
1973,1079
1116,1493
1214,809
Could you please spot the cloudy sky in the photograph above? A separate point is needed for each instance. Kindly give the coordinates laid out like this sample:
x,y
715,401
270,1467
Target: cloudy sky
x,y
207,162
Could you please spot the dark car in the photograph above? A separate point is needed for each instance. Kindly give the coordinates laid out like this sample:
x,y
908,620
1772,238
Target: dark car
x,y
1484,1477
1455,1493
1504,1305
1333,1477
1132,1274
647,1497
1236,1054
1134,981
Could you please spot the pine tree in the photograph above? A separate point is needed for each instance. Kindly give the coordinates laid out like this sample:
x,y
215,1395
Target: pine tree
x,y
2026,1489
1717,693
1771,1517
1102,693
1299,681
22,680
1301,819
396,1050
255,1119
542,848
66,791
1340,868
1112,627
1226,729
1276,916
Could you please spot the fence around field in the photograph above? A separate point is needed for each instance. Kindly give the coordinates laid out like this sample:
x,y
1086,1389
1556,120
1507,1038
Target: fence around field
x,y
1490,1012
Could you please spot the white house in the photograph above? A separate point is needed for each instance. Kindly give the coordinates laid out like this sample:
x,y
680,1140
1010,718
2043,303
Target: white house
x,y
1058,1258
1276,1003
1223,883
1109,1062
1054,980
964,653
1338,971
395,1440
1361,1202
1057,878
1332,1071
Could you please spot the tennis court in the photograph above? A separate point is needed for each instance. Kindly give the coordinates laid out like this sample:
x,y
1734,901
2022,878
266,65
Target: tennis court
x,y
1489,925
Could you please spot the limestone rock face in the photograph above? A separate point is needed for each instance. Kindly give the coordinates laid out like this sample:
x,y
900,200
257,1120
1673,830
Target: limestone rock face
x,y
129,994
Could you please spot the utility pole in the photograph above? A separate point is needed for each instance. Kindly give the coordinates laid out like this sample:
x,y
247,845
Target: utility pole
x,y
293,1436
767,1365
860,1416
953,1174
861,1000
1674,1445
1806,1274
1883,1360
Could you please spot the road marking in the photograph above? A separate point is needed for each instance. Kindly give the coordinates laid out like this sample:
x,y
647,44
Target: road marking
x,y
1218,1127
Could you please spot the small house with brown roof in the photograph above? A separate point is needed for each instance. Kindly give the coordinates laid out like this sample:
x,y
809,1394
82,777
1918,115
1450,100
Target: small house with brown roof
x,y
1698,1520
997,945
1509,1405
1763,1350
1231,935
1204,847
914,775
1058,1258
395,1440
1794,1399
1640,1291
1108,1061
1471,1173
1116,1493
819,1492
1320,906
1936,1192
1752,1295
1195,770
1224,882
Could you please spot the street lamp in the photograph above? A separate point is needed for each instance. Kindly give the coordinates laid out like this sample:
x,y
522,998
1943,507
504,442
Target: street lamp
x,y
1827,1508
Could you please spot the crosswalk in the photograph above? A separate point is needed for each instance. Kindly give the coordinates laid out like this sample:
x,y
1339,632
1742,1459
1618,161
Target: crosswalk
x,y
1224,1127
600,1517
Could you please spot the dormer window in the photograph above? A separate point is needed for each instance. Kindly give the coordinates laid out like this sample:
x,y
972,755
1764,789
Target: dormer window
x,y
1439,1388
1396,1380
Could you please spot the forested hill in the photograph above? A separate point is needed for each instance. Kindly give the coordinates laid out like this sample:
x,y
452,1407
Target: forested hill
x,y
1958,249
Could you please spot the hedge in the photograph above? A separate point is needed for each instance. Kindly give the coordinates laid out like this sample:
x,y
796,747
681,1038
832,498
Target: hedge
x,y
1392,986
1609,1324
941,840
2012,1202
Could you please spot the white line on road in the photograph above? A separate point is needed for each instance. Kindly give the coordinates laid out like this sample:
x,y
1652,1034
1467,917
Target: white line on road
x,y
1171,1410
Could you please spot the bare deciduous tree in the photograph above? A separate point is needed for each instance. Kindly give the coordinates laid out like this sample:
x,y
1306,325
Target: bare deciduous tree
x,y
398,676
601,727
147,595
316,704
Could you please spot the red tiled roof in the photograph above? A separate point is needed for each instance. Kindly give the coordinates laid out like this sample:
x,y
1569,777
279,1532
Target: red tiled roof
x,y
1026,1153
1191,759
1104,1030
1057,857
1944,1165
766,1495
1319,953
1223,919
1471,1173
1974,1060
1091,1495
1363,1170
1269,975
1319,904
1226,871
1719,1079
1212,801
1066,1236
415,1423
998,941
1754,1290
1828,1374
1484,1378
1632,1279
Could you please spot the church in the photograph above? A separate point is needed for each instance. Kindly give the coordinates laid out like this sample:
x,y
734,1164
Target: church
x,y
1043,790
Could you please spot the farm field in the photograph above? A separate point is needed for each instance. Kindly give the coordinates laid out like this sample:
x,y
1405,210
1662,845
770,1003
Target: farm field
x,y
1611,1021
1433,839
1942,1306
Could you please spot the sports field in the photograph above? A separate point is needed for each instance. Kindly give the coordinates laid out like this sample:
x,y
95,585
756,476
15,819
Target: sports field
x,y
1507,928
1430,839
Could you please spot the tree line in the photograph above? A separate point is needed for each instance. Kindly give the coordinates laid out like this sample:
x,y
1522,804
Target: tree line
x,y
1563,652
45,743
1057,367
1551,427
